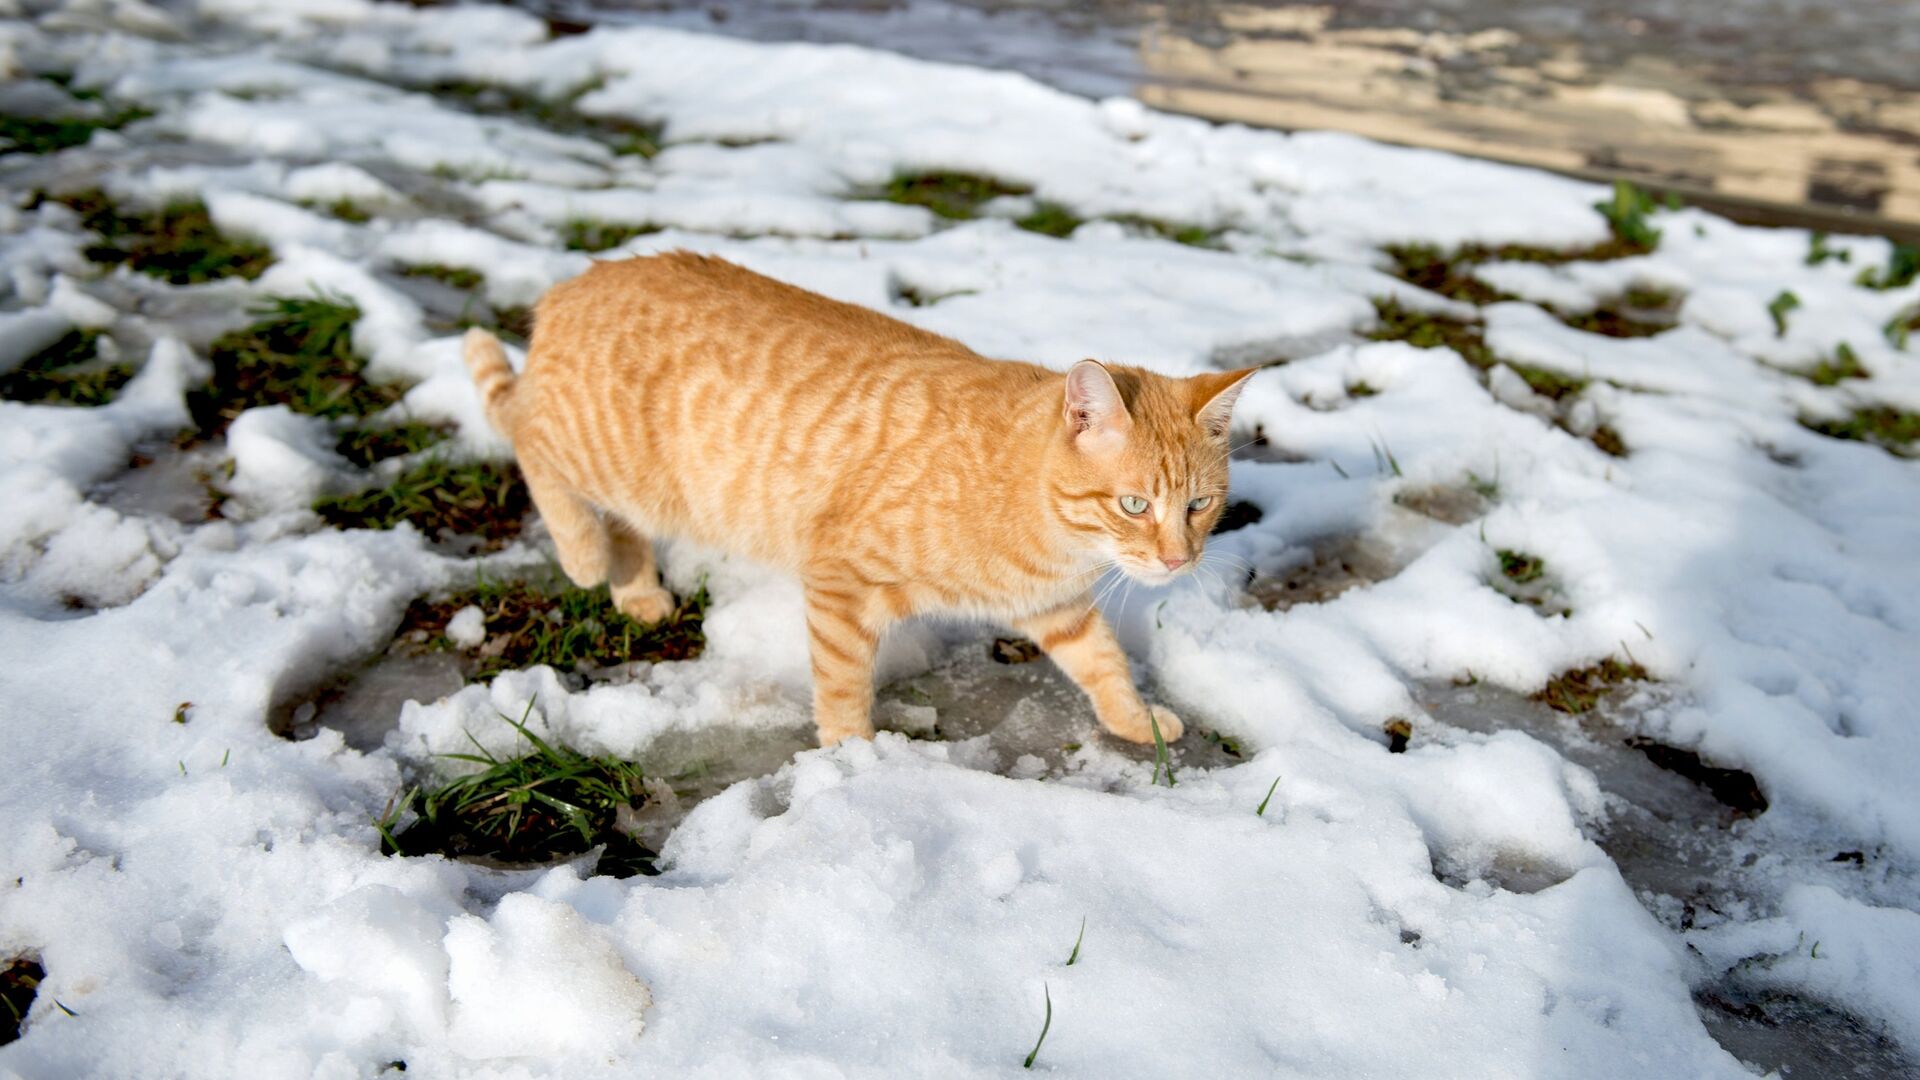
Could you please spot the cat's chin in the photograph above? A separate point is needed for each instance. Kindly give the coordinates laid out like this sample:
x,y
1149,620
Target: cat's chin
x,y
1148,575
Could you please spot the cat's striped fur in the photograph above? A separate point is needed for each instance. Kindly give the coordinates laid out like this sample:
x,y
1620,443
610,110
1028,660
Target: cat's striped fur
x,y
894,470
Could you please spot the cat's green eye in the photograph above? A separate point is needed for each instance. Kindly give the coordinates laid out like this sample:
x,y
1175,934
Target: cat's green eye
x,y
1133,504
1199,504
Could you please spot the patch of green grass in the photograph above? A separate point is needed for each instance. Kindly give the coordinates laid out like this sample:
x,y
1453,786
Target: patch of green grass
x,y
1778,308
1549,384
564,627
1178,232
1818,251
68,372
585,234
177,243
458,277
1903,265
300,354
364,445
1050,219
1901,326
1360,388
442,499
1640,312
1627,211
46,135
1434,271
561,115
1829,372
342,208
1520,567
546,804
1891,429
1578,691
1424,331
953,195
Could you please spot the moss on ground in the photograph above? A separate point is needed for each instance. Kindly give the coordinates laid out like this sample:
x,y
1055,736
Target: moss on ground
x,y
1520,567
177,243
458,277
47,134
953,195
300,354
1050,219
68,372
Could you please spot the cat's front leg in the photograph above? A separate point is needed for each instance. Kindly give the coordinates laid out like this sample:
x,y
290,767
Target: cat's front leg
x,y
843,640
1078,639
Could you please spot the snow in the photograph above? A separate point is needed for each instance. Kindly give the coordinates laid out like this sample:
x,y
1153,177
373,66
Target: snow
x,y
209,899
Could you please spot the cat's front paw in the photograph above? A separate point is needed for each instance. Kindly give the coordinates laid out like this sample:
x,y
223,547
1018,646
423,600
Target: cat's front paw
x,y
644,606
1139,728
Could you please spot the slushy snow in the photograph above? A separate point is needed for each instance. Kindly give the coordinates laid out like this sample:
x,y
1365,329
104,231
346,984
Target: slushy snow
x,y
209,899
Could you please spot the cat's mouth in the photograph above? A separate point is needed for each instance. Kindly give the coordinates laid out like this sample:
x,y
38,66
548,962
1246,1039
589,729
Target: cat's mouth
x,y
1154,573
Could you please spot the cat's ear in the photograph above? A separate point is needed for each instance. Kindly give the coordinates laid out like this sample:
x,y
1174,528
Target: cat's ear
x,y
1212,397
1094,410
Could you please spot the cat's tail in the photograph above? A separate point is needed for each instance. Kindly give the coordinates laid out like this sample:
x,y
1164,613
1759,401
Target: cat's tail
x,y
492,376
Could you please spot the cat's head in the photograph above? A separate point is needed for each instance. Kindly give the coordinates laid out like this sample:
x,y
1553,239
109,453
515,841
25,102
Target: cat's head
x,y
1141,475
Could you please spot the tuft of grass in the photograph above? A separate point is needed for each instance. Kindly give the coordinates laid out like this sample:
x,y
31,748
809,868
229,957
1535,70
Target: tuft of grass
x,y
548,803
953,195
1521,568
1162,761
1579,690
1889,428
1778,307
1627,211
68,372
1044,1027
177,243
20,983
1844,365
1818,251
1903,265
442,499
458,277
299,353
1901,326
585,234
365,445
1360,389
1050,219
345,210
1261,810
565,629
1074,956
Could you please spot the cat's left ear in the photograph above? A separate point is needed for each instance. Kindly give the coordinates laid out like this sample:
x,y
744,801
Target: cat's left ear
x,y
1211,397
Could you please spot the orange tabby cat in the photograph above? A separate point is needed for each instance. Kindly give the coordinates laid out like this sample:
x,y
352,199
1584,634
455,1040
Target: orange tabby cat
x,y
895,471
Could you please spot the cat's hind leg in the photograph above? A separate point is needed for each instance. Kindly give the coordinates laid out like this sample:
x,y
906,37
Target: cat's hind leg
x,y
634,576
1076,636
579,533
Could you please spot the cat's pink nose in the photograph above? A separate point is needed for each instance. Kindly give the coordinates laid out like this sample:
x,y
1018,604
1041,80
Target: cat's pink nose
x,y
1173,564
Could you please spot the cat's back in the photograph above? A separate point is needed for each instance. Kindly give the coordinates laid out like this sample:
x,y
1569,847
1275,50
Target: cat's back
x,y
632,311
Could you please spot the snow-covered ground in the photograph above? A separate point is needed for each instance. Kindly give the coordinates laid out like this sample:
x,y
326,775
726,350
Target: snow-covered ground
x,y
209,899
